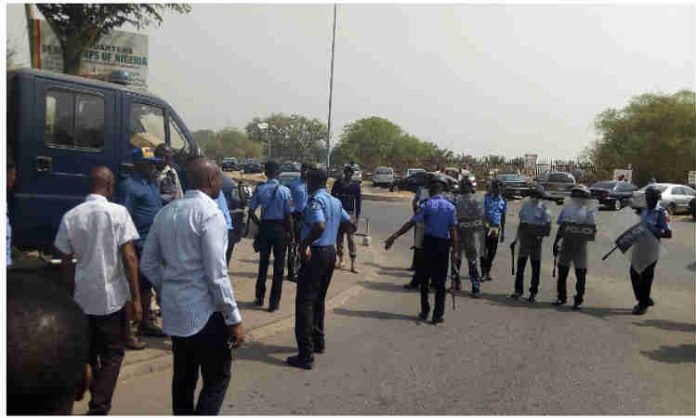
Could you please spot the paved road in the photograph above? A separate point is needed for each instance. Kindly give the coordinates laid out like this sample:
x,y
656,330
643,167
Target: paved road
x,y
491,356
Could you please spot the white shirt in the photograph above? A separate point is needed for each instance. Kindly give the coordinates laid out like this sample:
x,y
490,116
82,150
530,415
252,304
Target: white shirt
x,y
94,232
184,258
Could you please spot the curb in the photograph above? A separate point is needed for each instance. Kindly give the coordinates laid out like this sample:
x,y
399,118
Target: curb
x,y
163,361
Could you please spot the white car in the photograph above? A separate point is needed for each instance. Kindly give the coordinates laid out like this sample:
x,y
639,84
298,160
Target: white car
x,y
383,176
673,197
357,174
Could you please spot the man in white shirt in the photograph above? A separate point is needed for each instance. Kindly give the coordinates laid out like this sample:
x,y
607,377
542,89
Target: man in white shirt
x,y
100,235
184,258
170,185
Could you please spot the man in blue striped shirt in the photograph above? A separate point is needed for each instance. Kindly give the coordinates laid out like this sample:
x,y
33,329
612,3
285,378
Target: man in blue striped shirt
x,y
184,258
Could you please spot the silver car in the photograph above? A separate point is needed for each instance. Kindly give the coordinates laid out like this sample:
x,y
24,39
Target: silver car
x,y
383,176
673,197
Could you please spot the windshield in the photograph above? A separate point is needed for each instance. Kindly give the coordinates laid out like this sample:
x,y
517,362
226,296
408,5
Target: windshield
x,y
607,185
512,177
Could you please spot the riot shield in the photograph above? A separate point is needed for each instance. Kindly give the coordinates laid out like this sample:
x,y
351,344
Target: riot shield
x,y
469,211
535,217
577,219
645,250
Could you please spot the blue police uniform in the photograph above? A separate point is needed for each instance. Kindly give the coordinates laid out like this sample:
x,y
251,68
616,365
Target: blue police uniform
x,y
495,210
274,200
315,274
298,190
438,215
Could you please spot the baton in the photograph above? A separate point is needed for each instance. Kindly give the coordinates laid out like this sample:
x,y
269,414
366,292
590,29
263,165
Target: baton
x,y
454,298
609,253
553,274
512,253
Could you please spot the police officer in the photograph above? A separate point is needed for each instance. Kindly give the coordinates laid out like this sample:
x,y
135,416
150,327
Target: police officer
x,y
322,218
535,224
646,252
469,218
573,248
350,195
275,231
298,189
439,216
495,211
422,195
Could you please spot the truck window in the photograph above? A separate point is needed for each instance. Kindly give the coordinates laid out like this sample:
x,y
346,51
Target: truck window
x,y
178,141
146,125
74,120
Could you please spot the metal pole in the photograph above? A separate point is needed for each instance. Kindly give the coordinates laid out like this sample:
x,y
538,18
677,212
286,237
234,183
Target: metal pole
x,y
331,74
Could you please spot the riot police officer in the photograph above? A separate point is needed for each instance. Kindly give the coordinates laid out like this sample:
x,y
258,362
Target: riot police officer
x,y
495,212
322,218
274,232
577,215
470,226
440,237
535,224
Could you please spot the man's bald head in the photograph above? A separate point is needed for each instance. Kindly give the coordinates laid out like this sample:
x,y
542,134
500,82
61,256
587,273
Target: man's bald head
x,y
101,181
204,175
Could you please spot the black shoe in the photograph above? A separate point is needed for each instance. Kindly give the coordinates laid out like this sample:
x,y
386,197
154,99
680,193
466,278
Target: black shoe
x,y
300,363
559,302
651,302
475,293
319,347
639,310
272,309
516,295
438,320
531,298
149,329
411,286
423,316
292,279
576,306
258,302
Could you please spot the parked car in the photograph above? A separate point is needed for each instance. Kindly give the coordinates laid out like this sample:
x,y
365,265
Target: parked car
x,y
514,185
290,167
60,126
613,194
468,174
252,166
288,177
357,174
557,184
673,197
230,164
410,171
383,176
420,178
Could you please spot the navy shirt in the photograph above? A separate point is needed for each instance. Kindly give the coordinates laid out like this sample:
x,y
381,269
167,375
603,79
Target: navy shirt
x,y
322,207
273,207
298,189
143,200
350,196
439,215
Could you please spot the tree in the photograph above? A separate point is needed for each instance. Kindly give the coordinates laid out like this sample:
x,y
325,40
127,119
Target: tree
x,y
228,142
654,133
293,137
79,26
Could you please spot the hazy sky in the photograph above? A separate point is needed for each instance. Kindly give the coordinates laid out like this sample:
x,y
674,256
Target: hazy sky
x,y
480,79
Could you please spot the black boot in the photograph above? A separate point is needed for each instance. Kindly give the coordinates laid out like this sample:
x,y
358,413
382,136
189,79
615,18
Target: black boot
x,y
519,276
561,282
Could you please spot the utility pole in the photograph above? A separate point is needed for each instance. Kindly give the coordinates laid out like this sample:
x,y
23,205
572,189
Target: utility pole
x,y
331,74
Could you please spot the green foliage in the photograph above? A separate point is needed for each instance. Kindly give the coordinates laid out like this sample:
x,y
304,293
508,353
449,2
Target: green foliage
x,y
228,142
80,26
654,133
293,137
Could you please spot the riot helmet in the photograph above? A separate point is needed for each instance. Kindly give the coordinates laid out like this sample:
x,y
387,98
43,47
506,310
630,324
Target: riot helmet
x,y
580,192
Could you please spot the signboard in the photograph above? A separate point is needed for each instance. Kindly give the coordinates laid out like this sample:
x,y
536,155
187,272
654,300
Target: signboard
x,y
117,50
530,161
627,174
692,178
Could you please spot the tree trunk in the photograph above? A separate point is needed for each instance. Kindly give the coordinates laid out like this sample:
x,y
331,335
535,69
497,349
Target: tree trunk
x,y
72,56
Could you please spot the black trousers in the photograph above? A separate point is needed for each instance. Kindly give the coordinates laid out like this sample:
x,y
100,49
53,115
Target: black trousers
x,y
146,289
419,266
294,248
642,284
230,246
272,237
312,285
536,276
106,350
436,263
207,350
580,276
489,255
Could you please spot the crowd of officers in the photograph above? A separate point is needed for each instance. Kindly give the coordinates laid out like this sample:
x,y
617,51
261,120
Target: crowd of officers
x,y
449,228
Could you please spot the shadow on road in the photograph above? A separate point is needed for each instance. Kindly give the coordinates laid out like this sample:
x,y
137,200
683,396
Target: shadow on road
x,y
506,300
387,268
250,305
668,325
376,315
685,353
244,274
384,286
255,351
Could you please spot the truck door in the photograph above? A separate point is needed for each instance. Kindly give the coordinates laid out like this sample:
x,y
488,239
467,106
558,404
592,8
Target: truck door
x,y
143,121
73,131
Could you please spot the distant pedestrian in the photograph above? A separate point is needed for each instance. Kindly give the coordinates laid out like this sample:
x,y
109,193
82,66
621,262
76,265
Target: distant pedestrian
x,y
350,195
578,213
298,189
10,181
140,194
275,232
170,185
322,218
495,212
47,348
439,245
535,224
184,258
100,235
